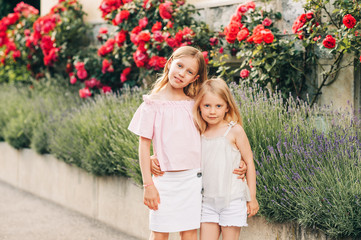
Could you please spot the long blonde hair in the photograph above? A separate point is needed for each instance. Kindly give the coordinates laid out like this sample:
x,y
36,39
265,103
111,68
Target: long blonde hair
x,y
218,87
192,89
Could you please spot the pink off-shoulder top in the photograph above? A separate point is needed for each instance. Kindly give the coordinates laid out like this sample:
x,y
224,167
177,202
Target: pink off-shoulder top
x,y
176,140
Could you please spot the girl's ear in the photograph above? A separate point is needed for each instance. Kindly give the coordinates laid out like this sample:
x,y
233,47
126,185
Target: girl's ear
x,y
195,78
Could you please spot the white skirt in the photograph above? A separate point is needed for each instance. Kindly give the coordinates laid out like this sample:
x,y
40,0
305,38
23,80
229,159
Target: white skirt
x,y
180,202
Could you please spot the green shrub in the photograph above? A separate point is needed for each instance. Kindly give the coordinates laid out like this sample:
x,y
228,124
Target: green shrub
x,y
95,137
307,162
16,121
50,101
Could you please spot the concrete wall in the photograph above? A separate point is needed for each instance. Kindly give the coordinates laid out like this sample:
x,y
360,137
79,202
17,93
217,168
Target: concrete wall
x,y
91,7
115,201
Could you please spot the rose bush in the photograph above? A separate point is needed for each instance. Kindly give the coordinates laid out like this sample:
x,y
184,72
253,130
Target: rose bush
x,y
339,31
13,54
267,57
146,33
43,44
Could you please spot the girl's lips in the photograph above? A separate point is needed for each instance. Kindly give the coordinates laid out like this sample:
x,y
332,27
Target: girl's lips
x,y
178,80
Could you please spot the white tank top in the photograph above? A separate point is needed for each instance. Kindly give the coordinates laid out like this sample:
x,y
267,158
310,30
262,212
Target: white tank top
x,y
219,159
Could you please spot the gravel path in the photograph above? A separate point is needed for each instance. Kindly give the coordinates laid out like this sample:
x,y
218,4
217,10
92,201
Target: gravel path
x,y
26,217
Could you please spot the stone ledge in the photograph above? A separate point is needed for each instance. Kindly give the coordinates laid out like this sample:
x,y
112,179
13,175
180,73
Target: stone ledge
x,y
116,201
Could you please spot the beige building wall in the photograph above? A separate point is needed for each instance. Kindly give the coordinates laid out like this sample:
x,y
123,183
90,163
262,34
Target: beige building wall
x,y
91,7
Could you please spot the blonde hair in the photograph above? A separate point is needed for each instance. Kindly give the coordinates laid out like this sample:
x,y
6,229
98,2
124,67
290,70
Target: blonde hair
x,y
192,89
218,87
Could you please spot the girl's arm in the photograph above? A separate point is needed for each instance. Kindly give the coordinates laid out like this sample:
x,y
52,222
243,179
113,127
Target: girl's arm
x,y
247,156
151,195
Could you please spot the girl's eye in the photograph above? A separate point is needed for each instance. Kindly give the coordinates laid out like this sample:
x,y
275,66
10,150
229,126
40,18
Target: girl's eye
x,y
219,106
190,72
179,65
206,105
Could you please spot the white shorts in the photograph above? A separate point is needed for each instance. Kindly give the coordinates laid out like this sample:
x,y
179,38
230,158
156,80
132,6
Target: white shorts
x,y
233,215
180,202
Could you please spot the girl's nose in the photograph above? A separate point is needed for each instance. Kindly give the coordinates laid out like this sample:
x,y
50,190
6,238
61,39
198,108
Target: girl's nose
x,y
182,72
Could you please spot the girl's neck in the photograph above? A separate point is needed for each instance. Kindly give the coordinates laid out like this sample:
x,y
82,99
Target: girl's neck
x,y
173,94
216,129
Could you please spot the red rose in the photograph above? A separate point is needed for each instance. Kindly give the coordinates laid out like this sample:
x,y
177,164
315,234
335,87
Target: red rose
x,y
25,9
251,5
103,30
267,22
172,42
92,83
158,36
121,37
13,18
73,79
157,62
179,36
231,31
46,44
236,18
205,55
106,89
169,24
140,58
16,54
120,17
82,74
243,34
84,93
107,66
156,27
146,6
144,36
143,22
166,10
79,66
108,6
349,21
106,48
298,23
51,57
329,42
242,9
257,38
10,46
221,50
136,30
69,68
360,58
258,29
267,36
244,73
124,75
213,41
309,15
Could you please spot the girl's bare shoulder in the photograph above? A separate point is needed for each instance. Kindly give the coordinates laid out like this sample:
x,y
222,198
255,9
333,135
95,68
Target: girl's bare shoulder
x,y
237,131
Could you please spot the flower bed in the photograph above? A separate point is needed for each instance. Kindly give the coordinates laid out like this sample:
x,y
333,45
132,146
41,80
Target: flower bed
x,y
307,159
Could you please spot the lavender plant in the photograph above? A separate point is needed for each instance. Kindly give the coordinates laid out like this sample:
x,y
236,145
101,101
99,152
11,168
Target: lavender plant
x,y
307,161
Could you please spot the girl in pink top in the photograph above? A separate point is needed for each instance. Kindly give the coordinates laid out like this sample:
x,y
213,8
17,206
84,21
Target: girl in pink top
x,y
165,119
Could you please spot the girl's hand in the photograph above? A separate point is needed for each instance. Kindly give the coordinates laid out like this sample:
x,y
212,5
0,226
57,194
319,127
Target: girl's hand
x,y
241,171
252,207
151,197
155,170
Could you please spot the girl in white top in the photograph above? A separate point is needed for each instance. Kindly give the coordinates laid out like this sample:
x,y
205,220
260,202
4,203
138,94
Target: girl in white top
x,y
226,200
165,119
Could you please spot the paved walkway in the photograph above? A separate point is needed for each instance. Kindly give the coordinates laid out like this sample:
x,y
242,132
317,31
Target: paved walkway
x,y
26,217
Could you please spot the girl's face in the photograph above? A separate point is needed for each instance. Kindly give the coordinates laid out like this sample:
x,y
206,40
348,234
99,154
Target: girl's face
x,y
213,109
183,71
